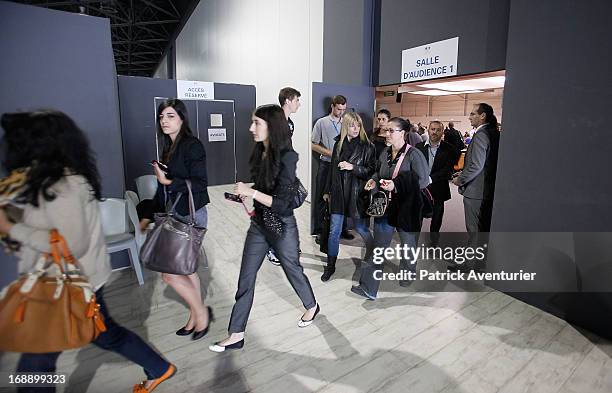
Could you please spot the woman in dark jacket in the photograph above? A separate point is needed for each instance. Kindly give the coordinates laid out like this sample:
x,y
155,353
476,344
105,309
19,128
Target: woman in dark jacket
x,y
273,165
185,159
404,211
351,166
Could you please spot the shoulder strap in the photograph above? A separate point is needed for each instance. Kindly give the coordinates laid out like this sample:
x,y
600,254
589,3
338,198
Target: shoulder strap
x,y
399,162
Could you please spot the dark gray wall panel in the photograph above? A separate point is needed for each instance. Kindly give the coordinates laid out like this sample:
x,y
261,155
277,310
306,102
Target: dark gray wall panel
x,y
481,26
555,148
136,99
62,61
244,105
359,98
137,96
347,41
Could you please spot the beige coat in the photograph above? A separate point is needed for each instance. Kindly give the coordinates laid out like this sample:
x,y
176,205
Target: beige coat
x,y
76,215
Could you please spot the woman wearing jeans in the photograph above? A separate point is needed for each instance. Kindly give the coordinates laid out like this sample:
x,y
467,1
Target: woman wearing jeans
x,y
352,164
185,159
273,164
62,192
404,211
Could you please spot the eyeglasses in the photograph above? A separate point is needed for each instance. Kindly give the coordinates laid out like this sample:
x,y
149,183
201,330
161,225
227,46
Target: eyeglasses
x,y
391,130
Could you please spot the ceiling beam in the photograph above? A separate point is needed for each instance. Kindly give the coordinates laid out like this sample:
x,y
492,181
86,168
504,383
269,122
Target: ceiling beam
x,y
149,23
160,9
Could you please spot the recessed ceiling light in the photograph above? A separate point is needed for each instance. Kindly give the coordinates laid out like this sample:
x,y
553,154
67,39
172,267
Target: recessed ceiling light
x,y
442,92
492,82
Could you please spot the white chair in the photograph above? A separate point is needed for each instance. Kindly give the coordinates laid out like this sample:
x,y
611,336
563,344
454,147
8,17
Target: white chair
x,y
116,232
146,186
131,200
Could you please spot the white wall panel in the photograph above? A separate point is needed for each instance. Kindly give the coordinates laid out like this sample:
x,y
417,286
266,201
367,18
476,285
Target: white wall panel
x,y
267,43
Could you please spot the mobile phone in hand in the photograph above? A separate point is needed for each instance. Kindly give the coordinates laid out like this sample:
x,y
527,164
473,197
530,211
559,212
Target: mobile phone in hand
x,y
232,197
162,167
160,164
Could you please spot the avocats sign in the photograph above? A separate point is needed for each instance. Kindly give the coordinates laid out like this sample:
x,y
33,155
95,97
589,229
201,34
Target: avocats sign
x,y
430,61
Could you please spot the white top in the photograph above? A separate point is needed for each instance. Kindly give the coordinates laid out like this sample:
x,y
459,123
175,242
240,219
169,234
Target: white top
x,y
75,214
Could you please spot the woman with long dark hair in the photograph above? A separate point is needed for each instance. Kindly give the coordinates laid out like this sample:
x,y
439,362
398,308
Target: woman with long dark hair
x,y
351,166
404,211
61,192
184,158
273,164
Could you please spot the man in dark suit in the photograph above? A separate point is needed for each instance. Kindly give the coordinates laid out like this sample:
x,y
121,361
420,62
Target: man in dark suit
x,y
477,180
441,156
453,137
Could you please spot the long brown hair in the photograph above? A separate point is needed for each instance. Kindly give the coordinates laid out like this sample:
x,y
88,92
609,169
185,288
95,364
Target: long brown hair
x,y
168,147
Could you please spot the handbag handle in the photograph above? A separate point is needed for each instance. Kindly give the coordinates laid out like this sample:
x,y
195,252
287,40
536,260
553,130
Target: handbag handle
x,y
59,250
191,201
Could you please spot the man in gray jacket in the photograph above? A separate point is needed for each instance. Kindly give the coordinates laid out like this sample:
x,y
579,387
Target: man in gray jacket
x,y
477,180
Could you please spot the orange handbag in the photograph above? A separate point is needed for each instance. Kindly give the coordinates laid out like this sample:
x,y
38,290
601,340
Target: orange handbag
x,y
52,308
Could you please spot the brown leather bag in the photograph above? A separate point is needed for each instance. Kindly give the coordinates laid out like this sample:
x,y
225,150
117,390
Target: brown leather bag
x,y
50,309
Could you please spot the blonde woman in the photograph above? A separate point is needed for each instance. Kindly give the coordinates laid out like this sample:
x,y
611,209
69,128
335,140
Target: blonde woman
x,y
353,163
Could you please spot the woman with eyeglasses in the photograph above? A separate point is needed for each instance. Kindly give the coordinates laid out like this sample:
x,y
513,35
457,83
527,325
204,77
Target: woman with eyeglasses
x,y
352,164
402,173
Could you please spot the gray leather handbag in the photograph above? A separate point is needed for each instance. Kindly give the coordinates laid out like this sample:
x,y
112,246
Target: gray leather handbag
x,y
174,246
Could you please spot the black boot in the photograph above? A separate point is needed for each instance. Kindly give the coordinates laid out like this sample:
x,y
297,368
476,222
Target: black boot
x,y
329,269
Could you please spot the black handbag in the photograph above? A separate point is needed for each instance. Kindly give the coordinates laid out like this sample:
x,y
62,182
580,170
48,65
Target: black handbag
x,y
269,220
428,203
324,236
174,246
296,191
379,202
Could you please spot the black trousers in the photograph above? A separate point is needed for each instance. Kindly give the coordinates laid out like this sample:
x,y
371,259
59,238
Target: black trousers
x,y
322,173
257,243
436,218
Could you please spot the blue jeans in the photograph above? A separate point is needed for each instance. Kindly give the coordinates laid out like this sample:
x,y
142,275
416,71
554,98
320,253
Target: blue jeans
x,y
383,234
200,216
116,338
335,230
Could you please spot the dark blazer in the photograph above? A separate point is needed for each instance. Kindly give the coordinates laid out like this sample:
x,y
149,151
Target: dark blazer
x,y
282,194
442,170
364,164
453,137
187,162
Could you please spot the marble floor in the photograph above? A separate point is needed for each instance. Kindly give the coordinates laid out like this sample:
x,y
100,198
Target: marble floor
x,y
405,341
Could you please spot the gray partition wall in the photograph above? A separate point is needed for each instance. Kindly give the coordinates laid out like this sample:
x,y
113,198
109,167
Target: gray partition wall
x,y
64,61
137,100
554,158
481,25
359,98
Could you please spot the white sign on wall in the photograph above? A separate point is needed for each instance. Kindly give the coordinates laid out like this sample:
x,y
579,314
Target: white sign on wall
x,y
435,60
217,135
195,90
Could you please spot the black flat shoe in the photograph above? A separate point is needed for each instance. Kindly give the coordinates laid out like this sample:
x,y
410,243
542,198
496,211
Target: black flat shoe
x,y
184,332
222,348
347,235
302,323
198,335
